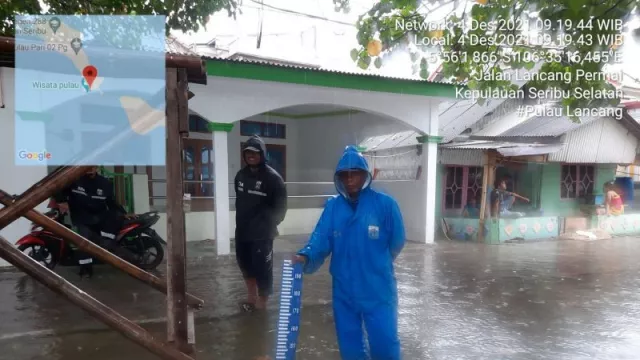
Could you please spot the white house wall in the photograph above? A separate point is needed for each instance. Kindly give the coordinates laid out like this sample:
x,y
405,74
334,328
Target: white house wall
x,y
13,179
603,141
323,140
234,141
314,146
229,100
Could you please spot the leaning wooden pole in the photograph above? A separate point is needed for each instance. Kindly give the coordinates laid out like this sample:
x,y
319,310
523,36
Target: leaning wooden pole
x,y
44,180
59,285
177,313
36,195
96,251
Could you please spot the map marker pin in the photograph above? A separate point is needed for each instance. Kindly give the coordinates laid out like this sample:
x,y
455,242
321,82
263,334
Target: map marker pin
x,y
76,45
54,23
90,73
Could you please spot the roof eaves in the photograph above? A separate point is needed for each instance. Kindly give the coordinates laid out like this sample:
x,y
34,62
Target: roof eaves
x,y
630,123
276,64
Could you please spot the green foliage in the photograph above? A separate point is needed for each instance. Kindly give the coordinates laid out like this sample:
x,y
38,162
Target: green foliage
x,y
185,15
464,61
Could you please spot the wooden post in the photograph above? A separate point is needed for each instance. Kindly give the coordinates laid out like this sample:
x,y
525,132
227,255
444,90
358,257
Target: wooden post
x,y
59,285
488,174
177,315
95,250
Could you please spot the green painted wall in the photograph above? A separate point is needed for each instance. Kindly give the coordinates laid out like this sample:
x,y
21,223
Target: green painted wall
x,y
541,184
551,203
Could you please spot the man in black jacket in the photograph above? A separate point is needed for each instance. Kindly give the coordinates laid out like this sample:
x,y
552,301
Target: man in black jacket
x,y
95,214
261,205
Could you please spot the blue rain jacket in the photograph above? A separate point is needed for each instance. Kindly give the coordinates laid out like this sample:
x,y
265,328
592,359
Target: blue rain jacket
x,y
363,241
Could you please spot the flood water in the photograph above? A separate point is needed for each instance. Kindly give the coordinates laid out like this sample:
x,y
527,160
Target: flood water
x,y
547,300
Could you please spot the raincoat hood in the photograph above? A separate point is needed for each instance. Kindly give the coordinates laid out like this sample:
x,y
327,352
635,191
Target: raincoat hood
x,y
351,159
257,143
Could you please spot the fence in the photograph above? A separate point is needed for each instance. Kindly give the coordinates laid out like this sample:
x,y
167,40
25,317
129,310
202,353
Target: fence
x,y
122,187
300,194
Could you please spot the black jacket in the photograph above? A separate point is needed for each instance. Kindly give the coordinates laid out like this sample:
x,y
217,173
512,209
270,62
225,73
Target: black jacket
x,y
90,200
261,199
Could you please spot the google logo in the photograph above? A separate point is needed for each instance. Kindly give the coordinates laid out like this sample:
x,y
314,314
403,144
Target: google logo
x,y
39,156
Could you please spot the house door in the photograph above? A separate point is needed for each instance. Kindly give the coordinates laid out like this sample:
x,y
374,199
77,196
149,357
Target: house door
x,y
198,168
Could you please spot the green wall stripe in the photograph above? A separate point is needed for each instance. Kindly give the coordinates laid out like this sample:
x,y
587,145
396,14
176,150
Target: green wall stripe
x,y
429,139
213,126
240,70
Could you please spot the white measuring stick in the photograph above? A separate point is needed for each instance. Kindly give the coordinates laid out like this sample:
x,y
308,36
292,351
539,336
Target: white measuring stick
x,y
289,318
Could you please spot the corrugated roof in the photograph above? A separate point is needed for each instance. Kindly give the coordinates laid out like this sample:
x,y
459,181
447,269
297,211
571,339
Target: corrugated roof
x,y
174,46
390,141
486,145
324,69
546,126
605,141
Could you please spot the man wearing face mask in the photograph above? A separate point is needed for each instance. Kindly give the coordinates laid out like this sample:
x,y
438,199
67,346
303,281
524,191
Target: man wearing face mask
x,y
363,231
261,205
95,214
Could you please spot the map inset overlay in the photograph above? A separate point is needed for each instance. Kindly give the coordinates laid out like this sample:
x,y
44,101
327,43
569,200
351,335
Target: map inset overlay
x,y
83,81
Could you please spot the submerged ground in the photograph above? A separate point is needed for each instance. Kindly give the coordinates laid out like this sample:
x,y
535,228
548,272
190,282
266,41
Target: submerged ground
x,y
547,300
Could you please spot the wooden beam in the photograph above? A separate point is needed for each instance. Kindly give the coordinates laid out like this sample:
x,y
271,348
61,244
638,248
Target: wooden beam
x,y
177,314
103,313
36,195
488,174
96,251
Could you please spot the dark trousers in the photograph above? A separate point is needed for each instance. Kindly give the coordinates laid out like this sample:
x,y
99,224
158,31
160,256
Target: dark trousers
x,y
255,259
103,234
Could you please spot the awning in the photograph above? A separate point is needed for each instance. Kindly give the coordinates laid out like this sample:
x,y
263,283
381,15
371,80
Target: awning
x,y
507,148
390,141
530,150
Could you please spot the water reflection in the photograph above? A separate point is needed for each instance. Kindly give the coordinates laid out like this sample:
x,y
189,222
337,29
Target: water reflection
x,y
547,300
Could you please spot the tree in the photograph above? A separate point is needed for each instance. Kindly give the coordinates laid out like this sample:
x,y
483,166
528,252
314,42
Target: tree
x,y
185,15
569,36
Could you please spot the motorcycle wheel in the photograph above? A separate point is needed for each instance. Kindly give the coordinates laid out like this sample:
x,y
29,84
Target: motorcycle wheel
x,y
40,254
152,252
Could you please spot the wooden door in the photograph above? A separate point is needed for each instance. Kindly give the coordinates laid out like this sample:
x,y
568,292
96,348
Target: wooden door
x,y
198,173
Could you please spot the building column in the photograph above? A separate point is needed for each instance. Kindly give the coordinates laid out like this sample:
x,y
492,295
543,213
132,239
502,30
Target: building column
x,y
221,185
429,170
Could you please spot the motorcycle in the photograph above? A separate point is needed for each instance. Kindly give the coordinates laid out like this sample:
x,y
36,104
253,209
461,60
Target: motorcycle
x,y
136,235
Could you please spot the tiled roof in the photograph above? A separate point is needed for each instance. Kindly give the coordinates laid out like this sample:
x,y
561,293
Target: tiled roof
x,y
174,46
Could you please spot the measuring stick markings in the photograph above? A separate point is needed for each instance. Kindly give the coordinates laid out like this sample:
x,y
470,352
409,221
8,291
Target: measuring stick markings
x,y
289,317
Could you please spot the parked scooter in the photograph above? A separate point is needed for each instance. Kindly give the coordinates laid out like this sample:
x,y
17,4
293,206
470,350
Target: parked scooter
x,y
136,235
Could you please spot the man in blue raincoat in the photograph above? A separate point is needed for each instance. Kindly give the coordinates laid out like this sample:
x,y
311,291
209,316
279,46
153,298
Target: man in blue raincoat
x,y
363,232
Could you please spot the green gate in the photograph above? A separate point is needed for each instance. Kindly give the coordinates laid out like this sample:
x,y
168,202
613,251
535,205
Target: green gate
x,y
122,188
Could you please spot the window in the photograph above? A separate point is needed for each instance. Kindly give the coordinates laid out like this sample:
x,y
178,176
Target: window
x,y
198,124
461,183
576,181
266,130
198,167
276,158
